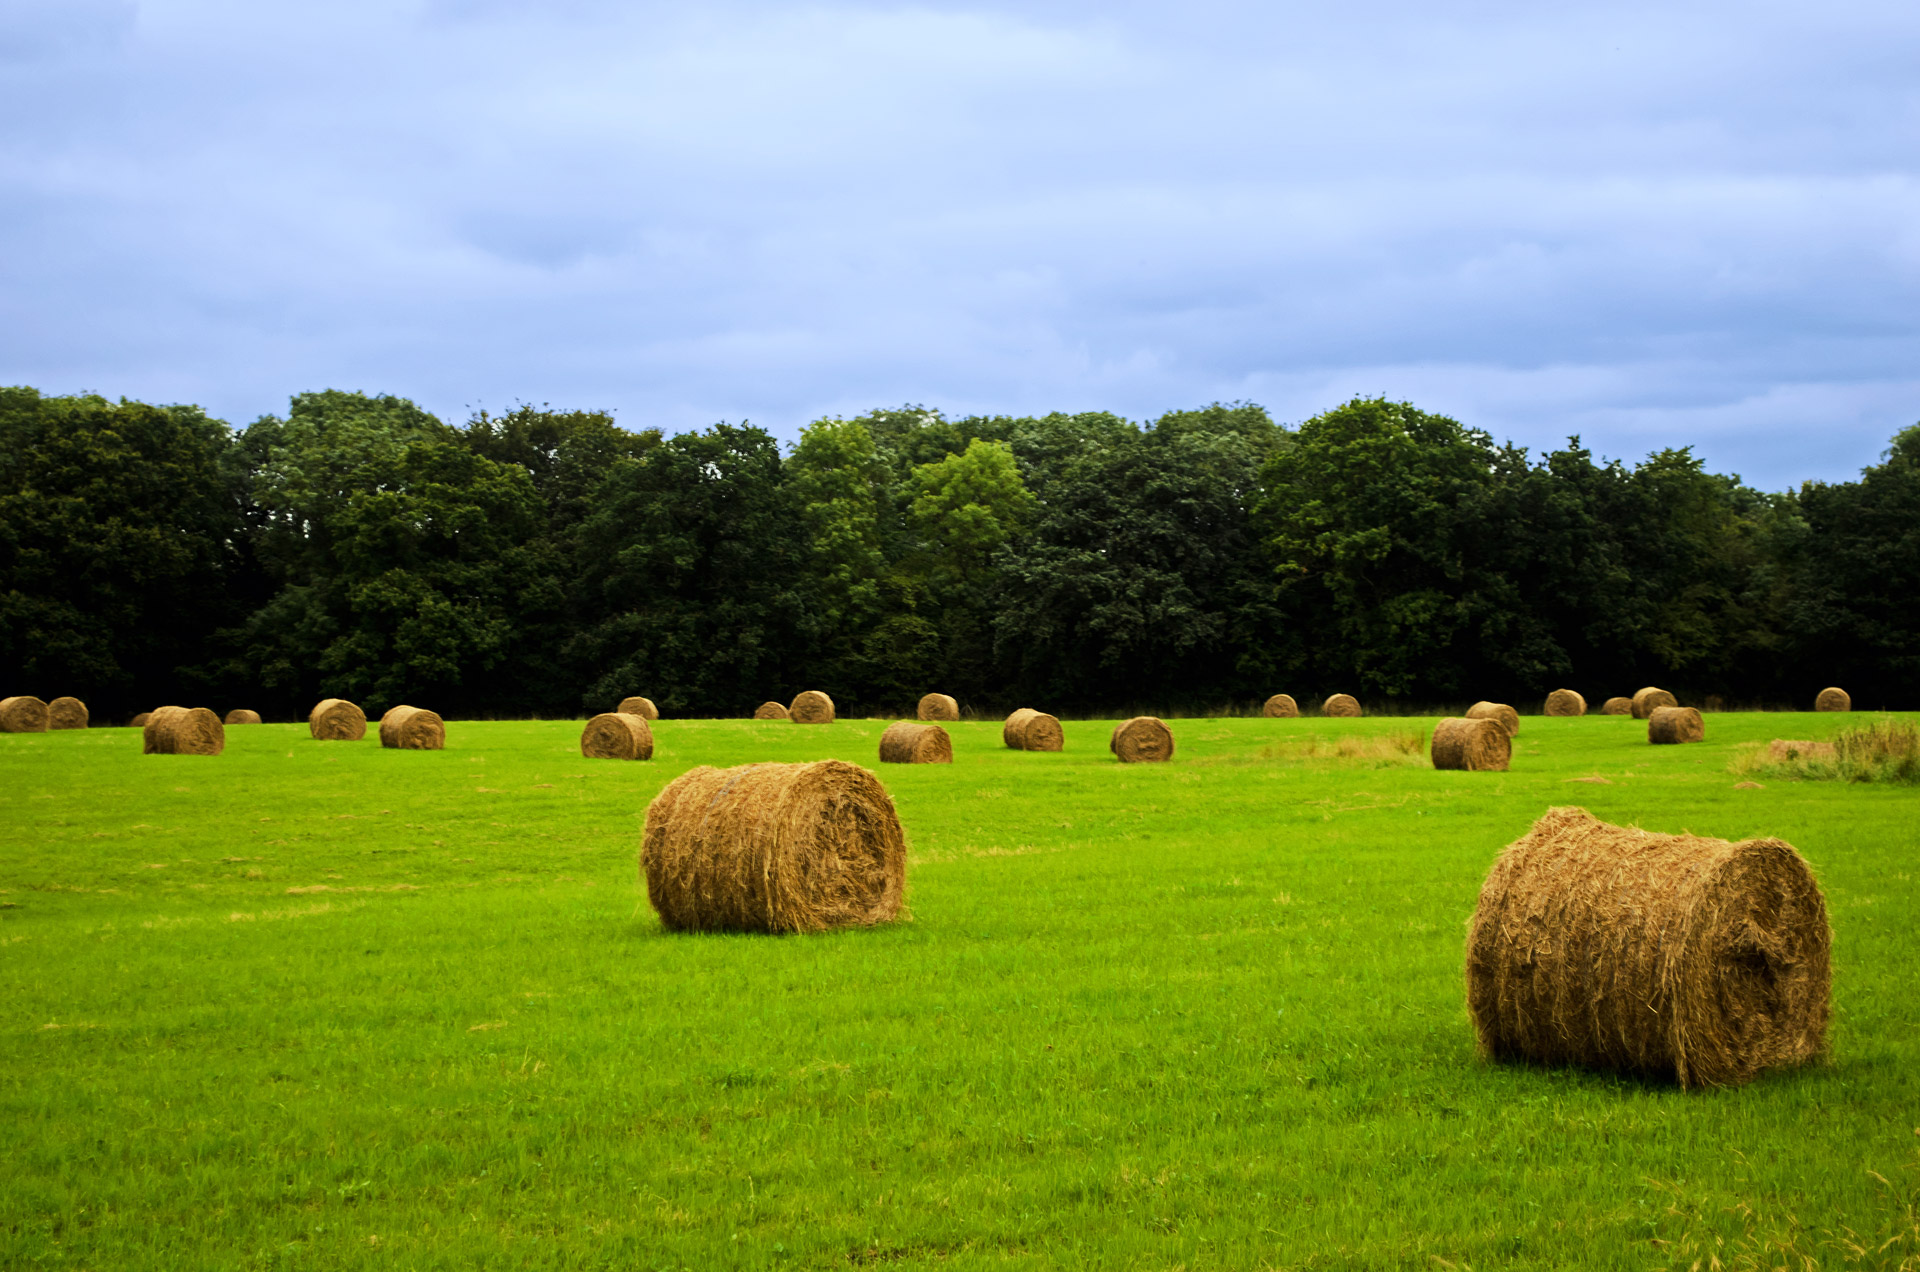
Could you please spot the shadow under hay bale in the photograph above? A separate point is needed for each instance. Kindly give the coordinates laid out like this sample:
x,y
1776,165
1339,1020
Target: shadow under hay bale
x,y
1474,745
337,720
23,714
412,729
617,735
1030,730
1617,706
774,848
811,707
1832,699
1141,740
1565,702
937,706
642,707
1341,705
1649,700
67,713
1499,712
240,715
1281,707
1669,726
909,742
1673,956
770,711
140,721
183,731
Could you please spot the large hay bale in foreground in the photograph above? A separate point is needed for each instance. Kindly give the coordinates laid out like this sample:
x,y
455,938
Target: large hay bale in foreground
x,y
1341,704
240,715
1141,740
183,731
617,735
1617,706
910,742
1500,712
1832,699
938,706
811,707
1281,707
1565,702
140,721
1671,725
67,713
642,707
1030,730
1649,700
770,711
774,848
337,720
412,729
1669,955
24,714
1474,744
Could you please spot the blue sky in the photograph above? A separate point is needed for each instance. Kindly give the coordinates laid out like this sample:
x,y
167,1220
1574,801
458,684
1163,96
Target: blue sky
x,y
1651,225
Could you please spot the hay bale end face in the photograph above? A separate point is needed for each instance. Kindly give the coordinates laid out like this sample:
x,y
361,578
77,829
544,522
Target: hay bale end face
x,y
1672,956
1474,745
337,720
617,735
811,707
642,707
1617,706
1342,705
140,721
774,848
1141,740
1500,712
1649,700
412,729
938,706
910,742
770,711
1281,707
67,713
240,715
1565,702
1832,699
1030,730
1671,725
23,714
183,731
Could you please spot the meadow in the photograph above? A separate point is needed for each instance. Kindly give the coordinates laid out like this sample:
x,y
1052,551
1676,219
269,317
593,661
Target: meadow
x,y
319,1005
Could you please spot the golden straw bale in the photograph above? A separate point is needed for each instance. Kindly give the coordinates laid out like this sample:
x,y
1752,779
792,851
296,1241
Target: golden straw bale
x,y
1666,955
774,848
1475,744
183,731
617,735
1508,718
1281,707
1030,730
412,729
240,715
770,711
642,707
1141,740
938,706
23,714
67,713
811,707
1565,702
1340,704
1831,699
909,742
140,721
1617,706
1786,750
337,720
1675,724
1649,700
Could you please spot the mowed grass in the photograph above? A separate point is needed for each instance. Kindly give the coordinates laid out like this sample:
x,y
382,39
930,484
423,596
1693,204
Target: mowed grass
x,y
319,1005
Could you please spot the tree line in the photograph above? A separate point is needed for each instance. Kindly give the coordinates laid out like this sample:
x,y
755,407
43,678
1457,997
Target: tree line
x,y
545,562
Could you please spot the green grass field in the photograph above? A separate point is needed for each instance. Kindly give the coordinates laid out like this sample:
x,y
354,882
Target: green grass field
x,y
319,1005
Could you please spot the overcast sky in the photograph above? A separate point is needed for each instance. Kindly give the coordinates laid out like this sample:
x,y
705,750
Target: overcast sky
x,y
1652,225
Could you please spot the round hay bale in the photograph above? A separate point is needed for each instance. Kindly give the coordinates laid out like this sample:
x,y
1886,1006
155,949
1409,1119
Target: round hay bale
x,y
1831,699
774,848
770,711
183,731
1141,740
1649,700
1617,706
67,713
811,707
1030,730
1340,704
642,707
23,714
908,742
240,715
412,729
1281,707
1668,955
1675,724
337,720
1565,702
140,721
938,706
617,735
1508,718
1474,744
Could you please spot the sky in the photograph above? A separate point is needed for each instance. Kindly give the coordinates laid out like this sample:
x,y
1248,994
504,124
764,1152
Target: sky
x,y
1650,225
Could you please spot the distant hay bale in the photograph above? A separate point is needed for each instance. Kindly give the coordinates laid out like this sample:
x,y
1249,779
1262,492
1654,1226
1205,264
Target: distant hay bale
x,y
1473,744
1787,750
23,714
337,720
617,735
1672,956
774,848
1565,702
240,715
1649,700
909,742
1617,706
642,707
1141,740
811,707
770,711
1340,704
1508,718
412,729
938,706
1831,699
1672,725
1030,730
1281,707
183,731
140,721
67,713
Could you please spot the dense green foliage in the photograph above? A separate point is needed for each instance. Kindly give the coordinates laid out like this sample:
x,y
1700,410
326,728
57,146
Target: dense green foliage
x,y
545,563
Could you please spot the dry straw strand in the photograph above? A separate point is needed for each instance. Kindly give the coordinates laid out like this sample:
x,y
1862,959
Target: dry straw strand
x,y
183,731
1672,725
1472,744
1030,730
23,714
774,848
642,707
337,720
1141,740
770,711
1617,706
1649,700
1341,704
617,735
1674,956
406,728
938,706
240,715
67,713
1281,707
910,742
811,707
1565,702
1833,699
1500,712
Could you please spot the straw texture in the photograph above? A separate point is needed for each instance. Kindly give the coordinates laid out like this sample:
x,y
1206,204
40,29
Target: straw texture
x,y
1564,702
1281,707
1649,700
412,729
67,713
811,707
1671,725
617,735
938,706
770,711
1832,699
1506,716
1141,740
337,720
1476,745
1341,704
642,707
1617,706
183,731
23,714
240,715
1030,730
910,742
